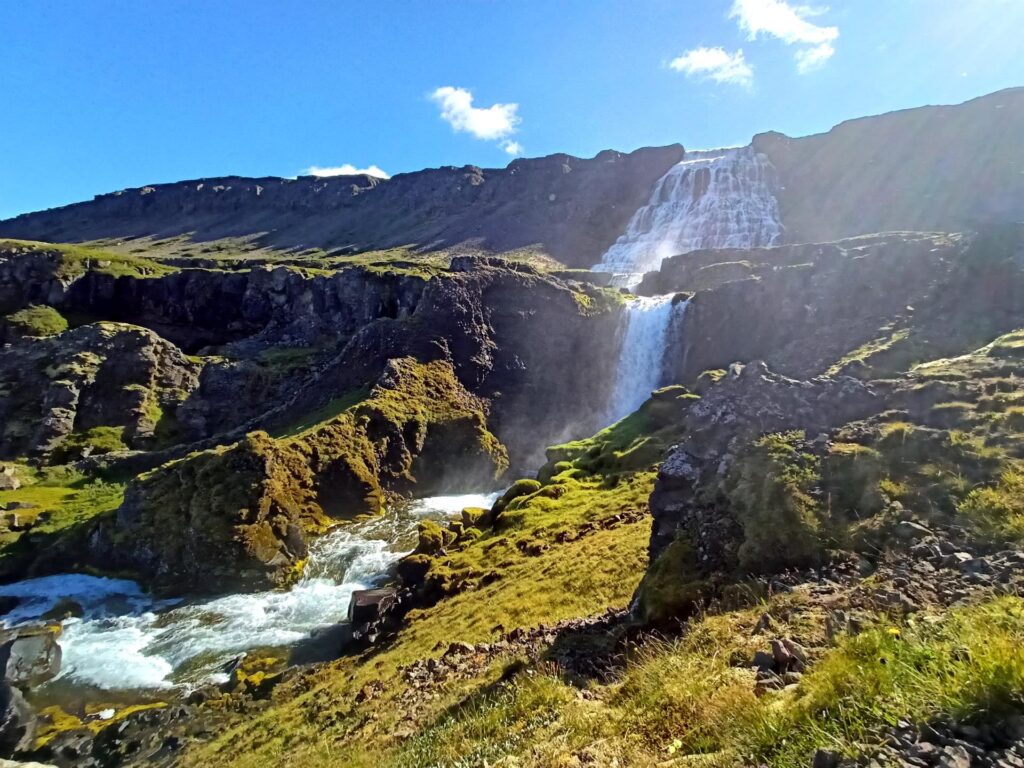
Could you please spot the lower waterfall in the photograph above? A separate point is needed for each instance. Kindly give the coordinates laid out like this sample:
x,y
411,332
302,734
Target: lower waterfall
x,y
646,323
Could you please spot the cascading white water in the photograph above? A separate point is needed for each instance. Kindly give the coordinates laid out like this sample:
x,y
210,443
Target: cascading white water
x,y
716,198
126,640
646,322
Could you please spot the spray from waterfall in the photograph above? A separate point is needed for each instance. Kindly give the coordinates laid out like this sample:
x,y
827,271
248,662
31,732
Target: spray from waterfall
x,y
716,198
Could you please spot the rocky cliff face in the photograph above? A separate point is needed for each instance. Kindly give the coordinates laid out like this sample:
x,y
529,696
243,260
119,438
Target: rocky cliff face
x,y
573,208
947,168
62,395
280,343
805,308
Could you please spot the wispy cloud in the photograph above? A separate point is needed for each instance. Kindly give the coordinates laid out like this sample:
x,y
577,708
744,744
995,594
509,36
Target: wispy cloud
x,y
714,64
791,25
496,122
346,169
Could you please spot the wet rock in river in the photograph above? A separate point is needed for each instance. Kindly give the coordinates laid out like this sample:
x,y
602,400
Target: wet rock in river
x,y
32,657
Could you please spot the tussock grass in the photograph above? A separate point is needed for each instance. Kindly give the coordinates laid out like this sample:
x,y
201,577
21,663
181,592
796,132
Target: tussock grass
x,y
691,701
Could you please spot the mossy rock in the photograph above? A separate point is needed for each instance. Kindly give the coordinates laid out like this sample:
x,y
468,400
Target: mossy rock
x,y
770,490
433,538
96,441
36,320
519,488
672,588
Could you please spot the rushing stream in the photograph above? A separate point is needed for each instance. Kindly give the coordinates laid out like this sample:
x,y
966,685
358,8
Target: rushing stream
x,y
127,640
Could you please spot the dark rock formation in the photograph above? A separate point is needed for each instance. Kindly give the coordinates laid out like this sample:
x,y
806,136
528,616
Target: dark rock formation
x,y
572,208
750,401
30,656
901,296
947,168
106,375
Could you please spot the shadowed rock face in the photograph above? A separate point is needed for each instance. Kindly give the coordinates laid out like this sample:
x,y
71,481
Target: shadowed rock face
x,y
802,308
100,375
572,208
947,168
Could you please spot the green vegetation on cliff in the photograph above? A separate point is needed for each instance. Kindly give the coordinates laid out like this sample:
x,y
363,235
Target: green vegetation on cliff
x,y
242,512
76,260
36,320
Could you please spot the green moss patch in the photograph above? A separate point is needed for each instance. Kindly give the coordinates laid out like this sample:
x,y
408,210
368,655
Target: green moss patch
x,y
36,320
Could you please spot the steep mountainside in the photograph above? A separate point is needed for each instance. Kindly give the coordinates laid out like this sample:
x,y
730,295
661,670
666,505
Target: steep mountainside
x,y
573,208
943,168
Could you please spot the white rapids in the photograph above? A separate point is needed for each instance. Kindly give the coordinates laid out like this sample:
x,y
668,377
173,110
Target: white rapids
x,y
127,640
713,198
646,325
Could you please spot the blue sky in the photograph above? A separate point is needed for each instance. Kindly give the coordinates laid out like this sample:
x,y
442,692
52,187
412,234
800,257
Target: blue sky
x,y
99,96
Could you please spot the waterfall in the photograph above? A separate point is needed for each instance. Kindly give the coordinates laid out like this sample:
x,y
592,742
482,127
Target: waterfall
x,y
715,198
645,333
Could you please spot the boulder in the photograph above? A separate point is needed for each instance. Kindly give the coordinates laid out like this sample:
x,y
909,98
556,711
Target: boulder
x,y
9,479
17,721
369,609
31,657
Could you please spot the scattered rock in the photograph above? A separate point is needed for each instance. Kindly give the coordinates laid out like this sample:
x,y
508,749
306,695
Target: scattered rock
x,y
32,657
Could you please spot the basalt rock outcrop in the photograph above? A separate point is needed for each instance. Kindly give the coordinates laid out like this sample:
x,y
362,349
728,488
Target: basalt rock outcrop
x,y
114,378
884,300
279,341
572,208
748,402
774,474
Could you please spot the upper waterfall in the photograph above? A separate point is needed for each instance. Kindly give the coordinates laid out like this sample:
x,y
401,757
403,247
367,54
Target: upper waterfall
x,y
714,198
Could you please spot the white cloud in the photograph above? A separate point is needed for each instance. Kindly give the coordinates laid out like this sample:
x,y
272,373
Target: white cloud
x,y
788,23
715,64
514,148
346,169
494,122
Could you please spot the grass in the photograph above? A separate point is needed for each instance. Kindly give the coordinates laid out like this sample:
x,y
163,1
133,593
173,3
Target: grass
x,y
66,496
691,700
578,578
865,353
37,321
335,407
76,260
95,441
996,511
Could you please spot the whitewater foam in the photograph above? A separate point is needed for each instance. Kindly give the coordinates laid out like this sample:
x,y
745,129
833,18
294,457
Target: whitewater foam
x,y
126,640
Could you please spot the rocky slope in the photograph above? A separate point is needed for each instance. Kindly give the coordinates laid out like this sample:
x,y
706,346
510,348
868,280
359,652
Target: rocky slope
x,y
574,207
944,168
947,168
